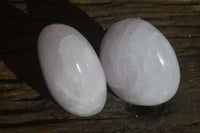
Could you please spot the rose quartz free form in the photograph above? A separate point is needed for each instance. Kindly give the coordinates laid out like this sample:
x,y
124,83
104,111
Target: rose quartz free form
x,y
140,65
72,70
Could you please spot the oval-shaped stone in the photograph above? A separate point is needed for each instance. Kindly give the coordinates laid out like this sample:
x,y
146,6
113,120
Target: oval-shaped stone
x,y
72,70
139,63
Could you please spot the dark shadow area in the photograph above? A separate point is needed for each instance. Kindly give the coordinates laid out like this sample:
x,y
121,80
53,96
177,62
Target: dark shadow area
x,y
148,111
19,33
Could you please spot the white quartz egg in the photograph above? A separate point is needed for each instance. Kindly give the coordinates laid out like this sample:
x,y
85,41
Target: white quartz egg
x,y
72,70
139,63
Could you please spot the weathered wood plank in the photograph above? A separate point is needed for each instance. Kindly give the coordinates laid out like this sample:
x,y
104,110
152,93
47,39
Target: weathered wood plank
x,y
26,106
173,15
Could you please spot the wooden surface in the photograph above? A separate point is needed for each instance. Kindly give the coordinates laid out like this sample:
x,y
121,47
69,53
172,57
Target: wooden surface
x,y
25,104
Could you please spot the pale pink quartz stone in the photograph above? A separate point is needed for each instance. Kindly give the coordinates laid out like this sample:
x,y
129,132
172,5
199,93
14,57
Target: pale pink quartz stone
x,y
72,70
140,65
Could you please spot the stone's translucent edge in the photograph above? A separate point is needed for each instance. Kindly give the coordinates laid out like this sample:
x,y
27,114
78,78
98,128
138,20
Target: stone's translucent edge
x,y
140,65
72,70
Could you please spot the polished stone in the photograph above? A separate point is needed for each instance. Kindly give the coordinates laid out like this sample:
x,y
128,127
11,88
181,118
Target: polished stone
x,y
140,65
72,70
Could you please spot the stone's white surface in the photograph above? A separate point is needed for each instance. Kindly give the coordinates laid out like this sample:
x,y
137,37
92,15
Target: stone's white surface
x,y
72,70
139,62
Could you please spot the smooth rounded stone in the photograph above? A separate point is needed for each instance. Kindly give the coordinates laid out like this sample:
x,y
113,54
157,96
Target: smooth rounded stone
x,y
140,65
72,70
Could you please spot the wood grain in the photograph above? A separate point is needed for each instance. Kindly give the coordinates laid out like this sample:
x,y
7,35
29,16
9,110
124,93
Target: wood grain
x,y
26,106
